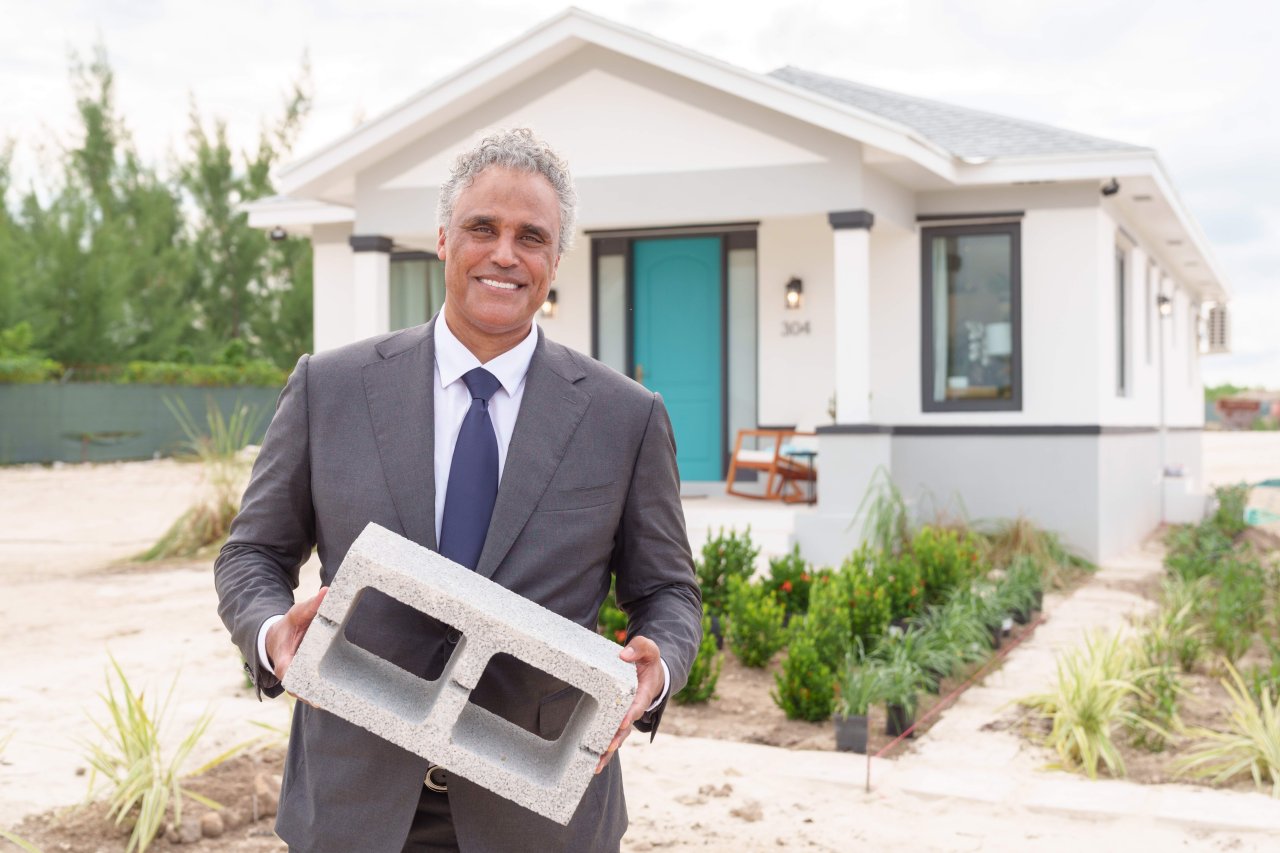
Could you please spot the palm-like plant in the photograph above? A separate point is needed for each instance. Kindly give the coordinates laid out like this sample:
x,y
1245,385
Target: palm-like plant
x,y
1093,696
140,780
225,466
1250,743
860,686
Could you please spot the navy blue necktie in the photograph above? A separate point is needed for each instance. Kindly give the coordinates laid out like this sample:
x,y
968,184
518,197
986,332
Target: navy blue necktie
x,y
473,476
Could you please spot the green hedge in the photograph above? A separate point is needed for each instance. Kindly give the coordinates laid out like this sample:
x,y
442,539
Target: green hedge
x,y
27,370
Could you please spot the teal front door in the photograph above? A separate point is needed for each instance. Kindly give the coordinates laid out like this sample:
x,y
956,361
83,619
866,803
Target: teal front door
x,y
678,343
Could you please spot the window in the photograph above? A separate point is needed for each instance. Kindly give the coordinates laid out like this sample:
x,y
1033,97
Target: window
x,y
1122,324
417,288
972,335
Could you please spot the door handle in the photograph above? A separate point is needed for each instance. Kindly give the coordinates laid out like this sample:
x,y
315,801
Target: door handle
x,y
640,373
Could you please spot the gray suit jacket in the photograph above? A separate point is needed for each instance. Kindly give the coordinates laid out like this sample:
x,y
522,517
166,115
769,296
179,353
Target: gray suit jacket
x,y
589,489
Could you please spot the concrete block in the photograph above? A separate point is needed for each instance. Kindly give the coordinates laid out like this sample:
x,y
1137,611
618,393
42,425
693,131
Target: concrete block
x,y
435,719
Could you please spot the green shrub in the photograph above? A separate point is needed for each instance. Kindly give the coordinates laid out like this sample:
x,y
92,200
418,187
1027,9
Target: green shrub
x,y
724,557
946,561
257,373
900,577
868,601
829,620
25,370
1229,516
805,688
705,671
1195,550
755,630
790,579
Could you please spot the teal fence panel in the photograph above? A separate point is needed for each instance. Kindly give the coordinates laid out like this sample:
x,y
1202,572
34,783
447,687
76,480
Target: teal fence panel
x,y
90,422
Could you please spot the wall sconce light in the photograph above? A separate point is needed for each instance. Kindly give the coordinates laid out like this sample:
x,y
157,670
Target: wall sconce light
x,y
795,293
277,234
1164,305
1111,187
549,304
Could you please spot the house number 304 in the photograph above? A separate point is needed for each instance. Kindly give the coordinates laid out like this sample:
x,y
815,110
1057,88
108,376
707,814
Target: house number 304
x,y
794,327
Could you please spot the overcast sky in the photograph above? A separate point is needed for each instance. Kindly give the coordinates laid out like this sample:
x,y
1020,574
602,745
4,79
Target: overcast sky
x,y
1197,81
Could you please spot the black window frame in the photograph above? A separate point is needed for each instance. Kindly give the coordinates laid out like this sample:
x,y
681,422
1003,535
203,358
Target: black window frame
x,y
1013,403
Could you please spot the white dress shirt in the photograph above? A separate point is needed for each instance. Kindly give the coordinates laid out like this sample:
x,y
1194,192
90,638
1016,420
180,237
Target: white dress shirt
x,y
451,402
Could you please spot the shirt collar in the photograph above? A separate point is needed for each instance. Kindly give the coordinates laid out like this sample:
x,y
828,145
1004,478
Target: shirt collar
x,y
453,359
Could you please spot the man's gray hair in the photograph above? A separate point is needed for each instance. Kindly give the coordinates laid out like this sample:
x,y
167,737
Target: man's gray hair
x,y
516,148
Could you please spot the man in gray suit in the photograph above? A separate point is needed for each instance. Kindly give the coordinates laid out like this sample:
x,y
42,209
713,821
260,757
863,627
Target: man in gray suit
x,y
385,430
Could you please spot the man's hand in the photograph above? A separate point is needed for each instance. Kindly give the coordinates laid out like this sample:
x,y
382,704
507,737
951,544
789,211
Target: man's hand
x,y
284,637
643,652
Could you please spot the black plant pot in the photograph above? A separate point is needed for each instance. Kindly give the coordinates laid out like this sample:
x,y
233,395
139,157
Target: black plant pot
x,y
997,636
898,719
1039,605
1022,615
851,733
716,632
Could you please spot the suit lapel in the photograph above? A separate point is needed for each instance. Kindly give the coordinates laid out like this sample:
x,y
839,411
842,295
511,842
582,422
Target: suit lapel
x,y
550,411
400,390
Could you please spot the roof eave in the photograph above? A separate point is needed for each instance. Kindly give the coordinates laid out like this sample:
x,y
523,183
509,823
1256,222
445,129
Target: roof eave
x,y
1101,166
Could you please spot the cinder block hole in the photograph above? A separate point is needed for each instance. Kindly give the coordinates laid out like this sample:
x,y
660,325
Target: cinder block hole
x,y
527,697
397,633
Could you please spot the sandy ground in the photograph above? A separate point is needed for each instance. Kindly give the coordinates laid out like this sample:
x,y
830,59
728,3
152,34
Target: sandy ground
x,y
66,606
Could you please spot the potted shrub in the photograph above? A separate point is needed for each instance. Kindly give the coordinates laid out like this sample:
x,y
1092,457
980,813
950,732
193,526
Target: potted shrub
x,y
900,684
926,653
857,690
1021,589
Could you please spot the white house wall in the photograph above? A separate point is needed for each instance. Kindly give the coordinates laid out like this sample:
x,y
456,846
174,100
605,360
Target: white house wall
x,y
797,371
652,148
1059,328
895,326
333,286
572,324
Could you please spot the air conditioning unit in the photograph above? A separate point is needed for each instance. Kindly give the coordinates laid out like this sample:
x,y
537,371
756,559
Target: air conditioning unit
x,y
1219,330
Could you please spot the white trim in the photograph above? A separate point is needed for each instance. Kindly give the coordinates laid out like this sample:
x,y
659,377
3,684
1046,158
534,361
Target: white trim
x,y
293,212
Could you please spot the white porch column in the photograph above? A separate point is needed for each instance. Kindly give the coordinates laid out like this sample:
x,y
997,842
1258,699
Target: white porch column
x,y
852,450
852,239
371,312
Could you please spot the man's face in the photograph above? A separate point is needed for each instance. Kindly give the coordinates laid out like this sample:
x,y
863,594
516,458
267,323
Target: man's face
x,y
500,253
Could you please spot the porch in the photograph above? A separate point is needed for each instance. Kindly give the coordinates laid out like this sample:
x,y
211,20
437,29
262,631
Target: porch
x,y
707,509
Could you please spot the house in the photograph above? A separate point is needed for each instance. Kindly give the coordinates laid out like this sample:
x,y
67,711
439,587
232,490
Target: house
x,y
1000,314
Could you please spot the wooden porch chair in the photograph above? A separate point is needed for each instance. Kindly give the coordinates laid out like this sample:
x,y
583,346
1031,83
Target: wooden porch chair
x,y
765,451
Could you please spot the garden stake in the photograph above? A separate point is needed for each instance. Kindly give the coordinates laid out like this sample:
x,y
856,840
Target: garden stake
x,y
946,701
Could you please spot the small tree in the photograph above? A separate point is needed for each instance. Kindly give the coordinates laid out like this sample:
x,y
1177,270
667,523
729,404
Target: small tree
x,y
805,688
705,671
724,557
755,631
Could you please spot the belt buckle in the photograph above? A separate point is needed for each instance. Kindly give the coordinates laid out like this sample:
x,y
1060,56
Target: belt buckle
x,y
438,783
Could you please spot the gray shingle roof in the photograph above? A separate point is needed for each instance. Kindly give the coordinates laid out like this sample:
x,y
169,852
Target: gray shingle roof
x,y
960,130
